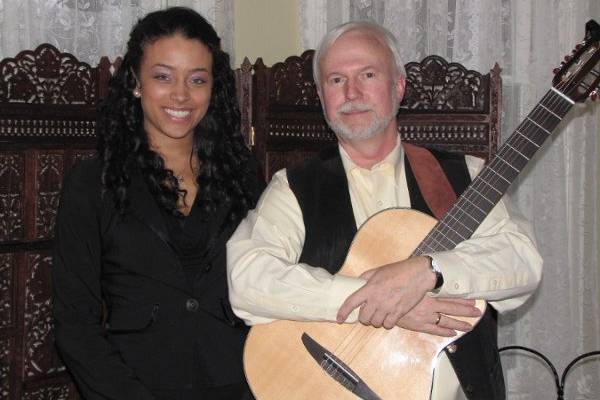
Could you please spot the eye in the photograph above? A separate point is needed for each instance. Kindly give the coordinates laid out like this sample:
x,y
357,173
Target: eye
x,y
197,80
369,75
161,76
336,80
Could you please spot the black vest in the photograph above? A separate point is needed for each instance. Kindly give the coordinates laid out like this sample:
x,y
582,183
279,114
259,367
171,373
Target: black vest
x,y
321,187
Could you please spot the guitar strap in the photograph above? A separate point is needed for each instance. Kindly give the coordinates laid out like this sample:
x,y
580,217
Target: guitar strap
x,y
431,179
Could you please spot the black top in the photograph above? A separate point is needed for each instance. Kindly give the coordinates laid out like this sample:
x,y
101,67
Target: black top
x,y
189,235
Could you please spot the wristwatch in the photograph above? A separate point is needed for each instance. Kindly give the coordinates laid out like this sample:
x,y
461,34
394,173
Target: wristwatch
x,y
439,278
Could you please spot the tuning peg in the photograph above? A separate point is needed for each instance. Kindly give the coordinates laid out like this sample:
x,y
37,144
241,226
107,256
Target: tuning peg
x,y
556,70
578,46
594,95
568,58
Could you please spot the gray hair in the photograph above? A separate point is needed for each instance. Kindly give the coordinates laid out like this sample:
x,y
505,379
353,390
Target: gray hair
x,y
382,34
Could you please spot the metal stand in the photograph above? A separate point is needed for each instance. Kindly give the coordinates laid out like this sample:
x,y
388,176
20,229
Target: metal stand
x,y
560,383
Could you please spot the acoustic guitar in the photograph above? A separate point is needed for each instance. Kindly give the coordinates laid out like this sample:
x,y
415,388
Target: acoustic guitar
x,y
321,360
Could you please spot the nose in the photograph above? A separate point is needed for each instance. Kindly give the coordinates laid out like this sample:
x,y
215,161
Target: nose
x,y
352,89
180,91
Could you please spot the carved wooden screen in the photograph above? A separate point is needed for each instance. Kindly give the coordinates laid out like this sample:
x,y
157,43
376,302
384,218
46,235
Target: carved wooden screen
x,y
48,105
445,105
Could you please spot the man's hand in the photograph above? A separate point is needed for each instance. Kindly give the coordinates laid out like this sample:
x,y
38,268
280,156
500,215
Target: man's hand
x,y
390,292
424,316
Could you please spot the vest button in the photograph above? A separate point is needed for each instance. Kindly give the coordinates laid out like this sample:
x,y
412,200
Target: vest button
x,y
192,305
451,348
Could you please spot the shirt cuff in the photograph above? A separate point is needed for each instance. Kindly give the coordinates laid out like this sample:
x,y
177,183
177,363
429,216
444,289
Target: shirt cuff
x,y
342,287
455,283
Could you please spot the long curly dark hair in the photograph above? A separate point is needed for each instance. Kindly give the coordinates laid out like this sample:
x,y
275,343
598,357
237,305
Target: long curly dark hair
x,y
123,144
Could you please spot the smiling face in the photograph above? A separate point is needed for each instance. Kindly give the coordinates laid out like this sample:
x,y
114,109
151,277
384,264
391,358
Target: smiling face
x,y
360,88
175,81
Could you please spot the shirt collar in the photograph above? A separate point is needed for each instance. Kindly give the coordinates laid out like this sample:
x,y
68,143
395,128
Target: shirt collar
x,y
393,159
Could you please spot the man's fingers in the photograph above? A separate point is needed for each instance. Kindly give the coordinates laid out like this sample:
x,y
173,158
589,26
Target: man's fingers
x,y
454,324
354,300
377,319
440,331
436,330
368,274
459,309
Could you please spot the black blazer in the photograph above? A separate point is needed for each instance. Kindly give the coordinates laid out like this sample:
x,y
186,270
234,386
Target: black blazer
x,y
163,337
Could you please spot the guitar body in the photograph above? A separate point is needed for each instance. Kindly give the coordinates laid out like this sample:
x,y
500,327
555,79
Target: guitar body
x,y
395,364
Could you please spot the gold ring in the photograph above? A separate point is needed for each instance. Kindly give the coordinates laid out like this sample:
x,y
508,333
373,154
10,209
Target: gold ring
x,y
437,321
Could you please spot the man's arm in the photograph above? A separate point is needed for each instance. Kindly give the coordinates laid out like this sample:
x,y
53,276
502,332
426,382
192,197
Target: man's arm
x,y
266,282
500,263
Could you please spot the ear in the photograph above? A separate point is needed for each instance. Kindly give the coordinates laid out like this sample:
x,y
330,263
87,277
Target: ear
x,y
320,94
400,87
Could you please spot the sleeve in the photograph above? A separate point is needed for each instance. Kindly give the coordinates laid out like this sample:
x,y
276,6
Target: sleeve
x,y
94,363
499,263
266,282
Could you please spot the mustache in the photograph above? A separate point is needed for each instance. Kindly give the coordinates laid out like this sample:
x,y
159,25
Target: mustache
x,y
353,106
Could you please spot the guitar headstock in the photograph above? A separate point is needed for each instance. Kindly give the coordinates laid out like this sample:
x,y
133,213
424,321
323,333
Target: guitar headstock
x,y
579,76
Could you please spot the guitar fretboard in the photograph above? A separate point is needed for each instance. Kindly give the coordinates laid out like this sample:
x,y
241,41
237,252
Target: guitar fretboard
x,y
486,190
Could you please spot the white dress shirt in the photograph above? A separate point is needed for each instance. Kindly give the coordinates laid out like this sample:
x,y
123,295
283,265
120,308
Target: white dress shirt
x,y
500,263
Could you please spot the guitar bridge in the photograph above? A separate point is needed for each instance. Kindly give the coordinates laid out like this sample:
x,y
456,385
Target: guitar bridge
x,y
338,370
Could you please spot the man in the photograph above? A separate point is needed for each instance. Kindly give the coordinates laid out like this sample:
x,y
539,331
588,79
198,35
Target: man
x,y
283,257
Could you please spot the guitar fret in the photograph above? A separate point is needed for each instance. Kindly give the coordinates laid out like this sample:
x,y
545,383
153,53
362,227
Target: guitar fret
x,y
507,163
444,236
450,215
550,111
474,205
516,150
500,175
433,244
452,229
538,125
562,95
482,196
491,186
532,142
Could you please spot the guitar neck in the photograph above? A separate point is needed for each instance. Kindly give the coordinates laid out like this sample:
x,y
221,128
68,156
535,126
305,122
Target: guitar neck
x,y
486,190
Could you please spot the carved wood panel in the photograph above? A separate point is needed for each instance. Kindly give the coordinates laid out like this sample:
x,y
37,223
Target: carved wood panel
x,y
40,358
7,290
48,103
5,367
49,175
51,392
47,76
11,196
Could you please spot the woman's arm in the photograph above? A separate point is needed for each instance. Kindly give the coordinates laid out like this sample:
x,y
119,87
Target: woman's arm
x,y
96,365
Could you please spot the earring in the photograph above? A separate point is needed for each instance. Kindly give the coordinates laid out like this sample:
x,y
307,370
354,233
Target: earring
x,y
137,93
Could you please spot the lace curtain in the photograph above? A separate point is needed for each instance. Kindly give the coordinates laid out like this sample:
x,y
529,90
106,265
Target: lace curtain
x,y
91,29
557,191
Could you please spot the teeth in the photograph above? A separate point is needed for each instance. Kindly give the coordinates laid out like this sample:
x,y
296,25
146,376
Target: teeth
x,y
177,113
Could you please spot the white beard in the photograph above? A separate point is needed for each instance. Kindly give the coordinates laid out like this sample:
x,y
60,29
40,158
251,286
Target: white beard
x,y
375,127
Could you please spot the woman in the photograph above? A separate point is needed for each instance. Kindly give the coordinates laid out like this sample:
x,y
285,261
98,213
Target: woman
x,y
141,308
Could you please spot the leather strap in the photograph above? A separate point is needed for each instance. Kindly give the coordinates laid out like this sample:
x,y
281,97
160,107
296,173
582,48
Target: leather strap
x,y
431,179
